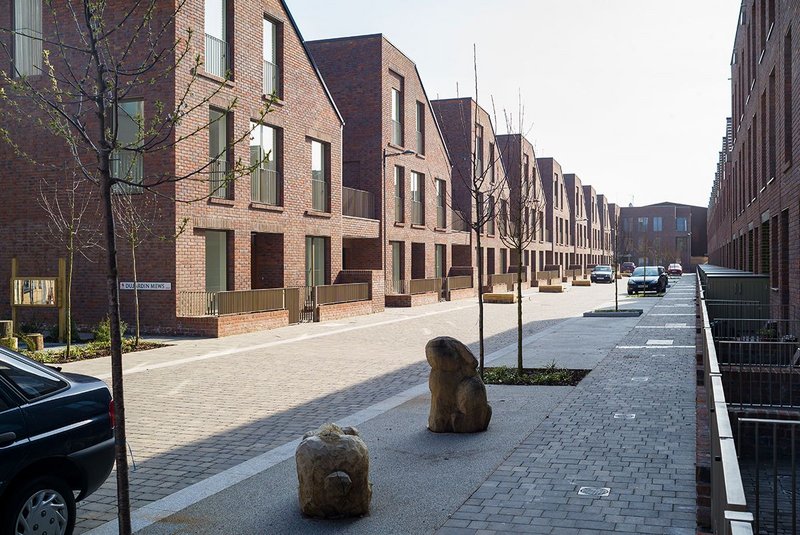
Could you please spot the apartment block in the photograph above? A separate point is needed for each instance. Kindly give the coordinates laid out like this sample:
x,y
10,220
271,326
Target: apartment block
x,y
580,212
557,214
606,245
394,152
754,209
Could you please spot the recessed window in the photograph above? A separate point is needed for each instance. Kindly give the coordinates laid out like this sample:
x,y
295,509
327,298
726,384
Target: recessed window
x,y
27,37
126,160
320,192
271,81
265,181
217,54
420,128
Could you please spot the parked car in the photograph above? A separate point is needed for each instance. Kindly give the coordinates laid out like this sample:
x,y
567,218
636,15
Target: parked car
x,y
647,279
627,267
56,438
602,274
675,269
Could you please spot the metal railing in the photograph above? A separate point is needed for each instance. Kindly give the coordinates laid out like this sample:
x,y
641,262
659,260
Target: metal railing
x,y
441,217
265,186
397,132
271,85
459,282
358,203
127,165
755,329
192,304
342,293
216,62
319,195
417,213
416,286
460,221
490,226
219,179
399,210
420,142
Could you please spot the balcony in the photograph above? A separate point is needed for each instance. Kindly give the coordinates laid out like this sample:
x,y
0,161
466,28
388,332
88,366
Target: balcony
x,y
490,226
271,85
219,180
216,56
266,187
417,213
127,165
460,221
441,217
399,210
397,133
358,203
319,194
420,142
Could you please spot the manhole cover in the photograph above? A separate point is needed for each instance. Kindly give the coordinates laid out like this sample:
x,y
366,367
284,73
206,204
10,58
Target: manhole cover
x,y
640,379
596,492
624,416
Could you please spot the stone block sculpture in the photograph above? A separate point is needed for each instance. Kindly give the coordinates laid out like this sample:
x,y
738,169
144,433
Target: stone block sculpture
x,y
458,395
333,471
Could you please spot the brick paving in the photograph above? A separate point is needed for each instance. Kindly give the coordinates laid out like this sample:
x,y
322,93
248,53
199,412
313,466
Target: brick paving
x,y
190,421
646,461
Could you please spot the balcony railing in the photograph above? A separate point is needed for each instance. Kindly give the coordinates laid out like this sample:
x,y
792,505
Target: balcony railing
x,y
420,142
216,56
219,179
441,217
127,165
271,82
358,203
459,282
397,133
417,286
490,226
266,187
417,213
343,293
460,221
399,210
193,304
319,195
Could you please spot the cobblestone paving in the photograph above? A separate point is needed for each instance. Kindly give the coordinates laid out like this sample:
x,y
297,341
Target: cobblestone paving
x,y
191,421
644,457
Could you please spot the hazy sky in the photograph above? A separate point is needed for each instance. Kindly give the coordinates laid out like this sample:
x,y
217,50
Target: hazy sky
x,y
631,95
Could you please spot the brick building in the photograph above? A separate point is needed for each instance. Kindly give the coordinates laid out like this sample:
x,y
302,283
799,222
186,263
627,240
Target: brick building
x,y
579,209
663,233
282,226
593,225
557,214
754,210
606,245
394,151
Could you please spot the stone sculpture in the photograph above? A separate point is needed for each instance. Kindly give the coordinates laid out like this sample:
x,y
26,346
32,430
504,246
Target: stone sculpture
x,y
333,471
458,395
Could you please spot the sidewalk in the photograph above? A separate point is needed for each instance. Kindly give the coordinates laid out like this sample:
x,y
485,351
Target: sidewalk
x,y
628,427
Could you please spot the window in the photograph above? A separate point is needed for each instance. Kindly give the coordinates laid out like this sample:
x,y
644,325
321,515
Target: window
x,y
399,201
27,37
764,243
490,211
420,128
218,154
491,163
320,193
771,123
626,224
441,213
126,160
31,380
417,198
642,224
680,224
526,169
216,261
216,61
787,97
478,150
316,260
397,114
397,264
265,183
271,68
658,224
555,192
439,259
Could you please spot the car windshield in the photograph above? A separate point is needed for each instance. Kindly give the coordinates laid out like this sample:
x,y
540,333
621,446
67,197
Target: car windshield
x,y
32,380
645,272
602,268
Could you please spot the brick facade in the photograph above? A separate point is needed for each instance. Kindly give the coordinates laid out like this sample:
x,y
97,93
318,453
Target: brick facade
x,y
558,213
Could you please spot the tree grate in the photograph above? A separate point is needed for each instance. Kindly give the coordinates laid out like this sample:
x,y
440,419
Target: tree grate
x,y
595,492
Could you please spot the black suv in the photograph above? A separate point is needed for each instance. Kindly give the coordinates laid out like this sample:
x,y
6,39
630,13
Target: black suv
x,y
56,438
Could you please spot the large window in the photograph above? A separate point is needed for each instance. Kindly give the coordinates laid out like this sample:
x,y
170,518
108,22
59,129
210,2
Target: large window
x,y
397,115
216,61
420,128
316,260
441,213
478,150
680,224
642,224
265,182
491,163
417,198
658,223
126,160
216,261
218,154
27,37
320,191
271,68
491,216
399,198
440,259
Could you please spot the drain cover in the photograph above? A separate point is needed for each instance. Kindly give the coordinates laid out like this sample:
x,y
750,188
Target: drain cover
x,y
624,416
640,379
631,356
596,492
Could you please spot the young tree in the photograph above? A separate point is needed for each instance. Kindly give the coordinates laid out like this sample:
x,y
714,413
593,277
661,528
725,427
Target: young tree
x,y
71,210
94,59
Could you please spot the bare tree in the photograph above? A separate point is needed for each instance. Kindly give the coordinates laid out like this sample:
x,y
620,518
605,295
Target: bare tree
x,y
94,60
71,210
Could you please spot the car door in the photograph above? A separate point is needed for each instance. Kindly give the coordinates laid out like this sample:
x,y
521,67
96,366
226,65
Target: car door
x,y
13,435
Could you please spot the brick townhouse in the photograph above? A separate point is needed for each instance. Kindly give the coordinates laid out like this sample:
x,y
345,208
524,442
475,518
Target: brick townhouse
x,y
394,154
663,233
558,213
579,208
523,172
613,223
470,138
593,224
605,247
279,227
754,211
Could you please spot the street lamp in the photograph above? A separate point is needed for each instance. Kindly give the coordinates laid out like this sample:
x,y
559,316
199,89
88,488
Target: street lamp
x,y
384,245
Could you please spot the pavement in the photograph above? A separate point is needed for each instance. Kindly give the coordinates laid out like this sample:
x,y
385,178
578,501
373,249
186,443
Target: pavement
x,y
522,475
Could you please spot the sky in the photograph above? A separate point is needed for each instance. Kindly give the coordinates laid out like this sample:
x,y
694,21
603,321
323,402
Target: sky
x,y
631,95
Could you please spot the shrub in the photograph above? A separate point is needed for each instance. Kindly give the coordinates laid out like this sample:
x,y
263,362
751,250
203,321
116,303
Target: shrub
x,y
102,333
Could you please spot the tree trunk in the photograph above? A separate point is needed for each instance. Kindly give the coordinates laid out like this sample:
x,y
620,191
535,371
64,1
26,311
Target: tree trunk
x,y
519,311
68,297
112,287
480,301
135,293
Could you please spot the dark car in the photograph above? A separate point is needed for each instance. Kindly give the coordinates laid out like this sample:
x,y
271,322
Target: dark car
x,y
647,279
627,267
56,438
602,274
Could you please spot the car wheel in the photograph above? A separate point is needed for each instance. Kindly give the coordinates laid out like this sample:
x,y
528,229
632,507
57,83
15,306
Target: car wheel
x,y
630,292
45,505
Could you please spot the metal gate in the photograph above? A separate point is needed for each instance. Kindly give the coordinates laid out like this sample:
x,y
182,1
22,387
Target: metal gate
x,y
301,304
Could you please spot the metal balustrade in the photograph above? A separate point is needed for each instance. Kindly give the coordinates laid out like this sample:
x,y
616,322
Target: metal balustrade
x,y
358,203
216,61
271,82
266,187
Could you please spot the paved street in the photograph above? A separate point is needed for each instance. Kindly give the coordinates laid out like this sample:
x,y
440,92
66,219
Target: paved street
x,y
203,406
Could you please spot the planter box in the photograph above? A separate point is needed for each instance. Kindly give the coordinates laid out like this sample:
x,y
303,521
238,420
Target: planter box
x,y
581,283
626,313
499,298
551,289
